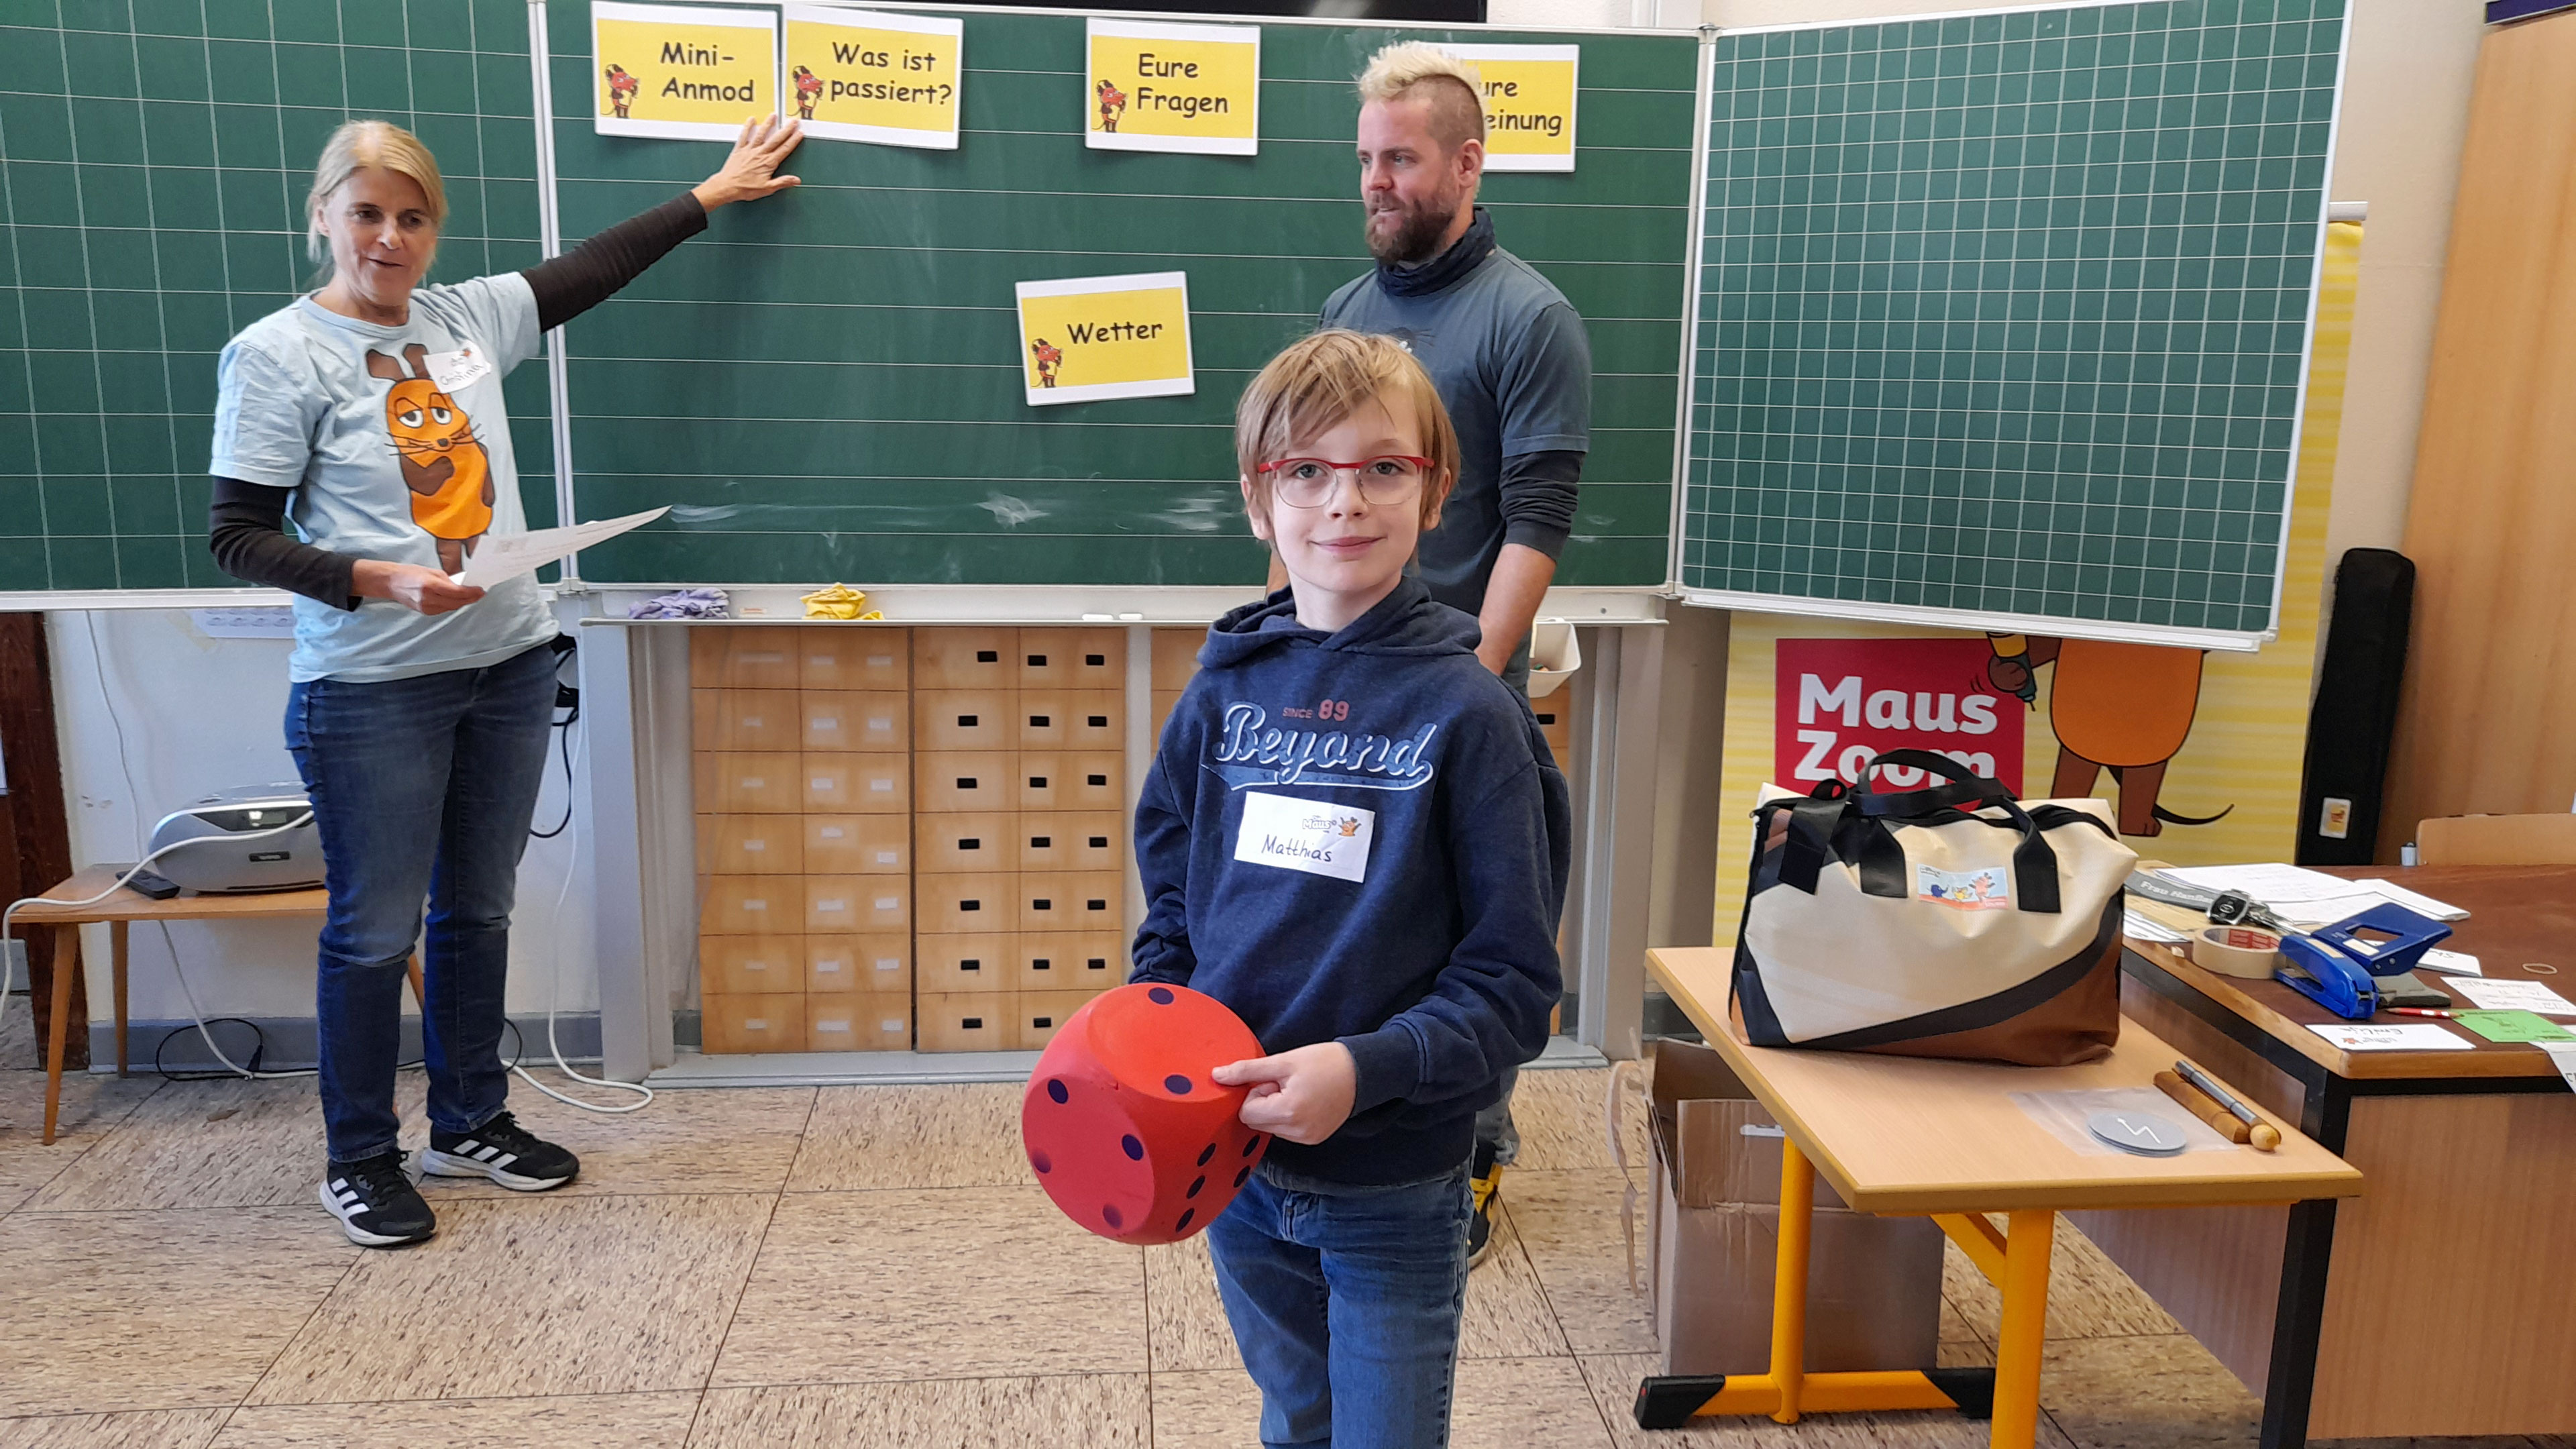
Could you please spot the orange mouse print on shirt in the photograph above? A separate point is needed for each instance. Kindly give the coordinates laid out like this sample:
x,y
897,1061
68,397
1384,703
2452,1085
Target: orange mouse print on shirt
x,y
443,463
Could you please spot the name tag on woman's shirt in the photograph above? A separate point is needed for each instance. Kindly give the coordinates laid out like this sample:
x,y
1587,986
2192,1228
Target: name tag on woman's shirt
x,y
1309,835
455,371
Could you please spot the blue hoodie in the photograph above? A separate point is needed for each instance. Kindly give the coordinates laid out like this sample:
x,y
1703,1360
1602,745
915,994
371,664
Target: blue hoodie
x,y
1361,837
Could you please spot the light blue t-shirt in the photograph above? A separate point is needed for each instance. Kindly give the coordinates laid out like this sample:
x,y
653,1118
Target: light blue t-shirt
x,y
398,448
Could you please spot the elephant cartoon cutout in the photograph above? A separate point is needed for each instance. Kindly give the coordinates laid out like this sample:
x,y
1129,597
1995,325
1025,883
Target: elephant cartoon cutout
x,y
443,463
2126,708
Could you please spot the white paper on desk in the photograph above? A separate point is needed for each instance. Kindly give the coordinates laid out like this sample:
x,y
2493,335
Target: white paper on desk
x,y
2451,963
2273,884
2491,994
2562,1054
2139,928
2414,1036
498,558
2421,905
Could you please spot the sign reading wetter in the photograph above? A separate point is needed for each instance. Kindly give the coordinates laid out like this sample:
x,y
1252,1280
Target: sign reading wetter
x,y
1086,339
1529,103
1156,87
681,72
870,75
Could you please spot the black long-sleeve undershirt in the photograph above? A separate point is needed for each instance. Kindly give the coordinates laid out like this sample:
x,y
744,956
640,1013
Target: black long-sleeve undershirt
x,y
246,524
1539,492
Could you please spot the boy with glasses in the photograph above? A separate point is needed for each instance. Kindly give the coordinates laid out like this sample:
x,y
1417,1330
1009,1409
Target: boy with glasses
x,y
1355,837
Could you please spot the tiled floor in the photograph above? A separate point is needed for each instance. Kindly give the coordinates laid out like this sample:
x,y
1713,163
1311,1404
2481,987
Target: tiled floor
x,y
850,1266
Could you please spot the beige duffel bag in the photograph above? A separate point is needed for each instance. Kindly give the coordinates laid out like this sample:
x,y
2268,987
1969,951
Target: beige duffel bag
x,y
1951,921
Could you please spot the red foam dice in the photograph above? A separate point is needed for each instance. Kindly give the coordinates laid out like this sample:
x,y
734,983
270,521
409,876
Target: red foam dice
x,y
1126,1130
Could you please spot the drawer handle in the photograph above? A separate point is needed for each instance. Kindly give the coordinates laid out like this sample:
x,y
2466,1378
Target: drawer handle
x,y
1042,1021
1041,964
972,1023
1098,963
970,843
966,721
1037,782
1096,905
1100,842
970,965
988,656
1040,722
965,782
1099,782
1100,721
1041,842
1042,903
1037,661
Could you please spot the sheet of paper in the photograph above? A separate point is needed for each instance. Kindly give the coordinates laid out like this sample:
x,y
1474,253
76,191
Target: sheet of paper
x,y
2455,963
2414,1036
2563,1054
498,558
2139,928
2512,1026
2503,995
2272,884
2422,905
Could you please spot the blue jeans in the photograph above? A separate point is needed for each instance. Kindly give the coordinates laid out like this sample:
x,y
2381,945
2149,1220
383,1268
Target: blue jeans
x,y
423,789
1345,1302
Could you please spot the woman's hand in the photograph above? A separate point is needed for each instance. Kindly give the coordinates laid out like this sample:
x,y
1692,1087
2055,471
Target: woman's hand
x,y
1303,1096
423,591
750,173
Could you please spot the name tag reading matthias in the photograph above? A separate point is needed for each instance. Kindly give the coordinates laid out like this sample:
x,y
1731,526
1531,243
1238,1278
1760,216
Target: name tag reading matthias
x,y
1083,339
1157,87
681,72
1314,836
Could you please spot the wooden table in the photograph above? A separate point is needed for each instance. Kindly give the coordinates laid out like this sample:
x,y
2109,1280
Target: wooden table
x,y
2456,1259
1910,1137
119,911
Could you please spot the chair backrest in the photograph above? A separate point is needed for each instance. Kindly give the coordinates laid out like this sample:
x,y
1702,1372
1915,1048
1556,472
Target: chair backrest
x,y
2497,840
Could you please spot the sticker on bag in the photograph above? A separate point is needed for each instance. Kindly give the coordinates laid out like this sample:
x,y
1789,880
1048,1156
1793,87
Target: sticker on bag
x,y
1314,836
1968,890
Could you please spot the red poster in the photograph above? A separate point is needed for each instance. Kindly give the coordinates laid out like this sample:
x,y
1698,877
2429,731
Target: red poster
x,y
1838,703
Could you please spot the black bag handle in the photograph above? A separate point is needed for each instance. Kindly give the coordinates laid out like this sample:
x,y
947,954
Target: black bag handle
x,y
2034,861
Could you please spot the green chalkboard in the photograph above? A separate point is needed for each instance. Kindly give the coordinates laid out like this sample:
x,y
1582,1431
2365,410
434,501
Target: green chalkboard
x,y
827,384
2006,314
157,154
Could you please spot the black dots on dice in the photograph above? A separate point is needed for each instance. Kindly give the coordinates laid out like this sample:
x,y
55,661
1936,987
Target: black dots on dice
x,y
1134,1149
1055,1091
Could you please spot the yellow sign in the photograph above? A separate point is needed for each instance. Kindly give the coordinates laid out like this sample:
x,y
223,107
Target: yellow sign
x,y
1158,87
1083,339
680,71
872,75
1529,104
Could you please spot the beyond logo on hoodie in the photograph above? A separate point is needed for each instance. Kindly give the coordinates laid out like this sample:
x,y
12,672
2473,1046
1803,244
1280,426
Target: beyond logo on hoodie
x,y
1287,757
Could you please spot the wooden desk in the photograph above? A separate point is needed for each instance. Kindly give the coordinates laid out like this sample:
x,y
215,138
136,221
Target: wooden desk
x,y
2451,1262
119,911
1904,1136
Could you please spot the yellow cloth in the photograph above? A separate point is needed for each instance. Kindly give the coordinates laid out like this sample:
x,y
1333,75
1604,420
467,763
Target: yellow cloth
x,y
840,601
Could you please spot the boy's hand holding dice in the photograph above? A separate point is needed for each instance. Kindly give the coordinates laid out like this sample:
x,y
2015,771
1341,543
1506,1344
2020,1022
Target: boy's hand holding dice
x,y
1301,1096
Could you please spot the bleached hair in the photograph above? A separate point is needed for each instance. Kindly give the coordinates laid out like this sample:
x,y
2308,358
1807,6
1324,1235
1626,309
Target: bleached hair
x,y
1454,88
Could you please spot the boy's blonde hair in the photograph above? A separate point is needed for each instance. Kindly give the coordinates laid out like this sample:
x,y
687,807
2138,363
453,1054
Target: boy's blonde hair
x,y
1413,68
381,144
1322,379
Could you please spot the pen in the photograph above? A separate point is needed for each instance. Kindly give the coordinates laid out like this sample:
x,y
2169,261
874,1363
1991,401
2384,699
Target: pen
x,y
2418,1011
2237,1109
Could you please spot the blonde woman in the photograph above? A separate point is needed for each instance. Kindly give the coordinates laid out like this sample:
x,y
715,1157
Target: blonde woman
x,y
370,413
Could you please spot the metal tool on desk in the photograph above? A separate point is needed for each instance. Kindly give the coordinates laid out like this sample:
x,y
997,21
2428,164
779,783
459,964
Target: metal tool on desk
x,y
2349,973
2227,908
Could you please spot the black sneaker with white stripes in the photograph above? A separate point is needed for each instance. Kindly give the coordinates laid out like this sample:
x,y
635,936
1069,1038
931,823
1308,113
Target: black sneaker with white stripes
x,y
503,1151
375,1202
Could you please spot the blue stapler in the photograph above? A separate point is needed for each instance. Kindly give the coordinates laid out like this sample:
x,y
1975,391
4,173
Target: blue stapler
x,y
2338,966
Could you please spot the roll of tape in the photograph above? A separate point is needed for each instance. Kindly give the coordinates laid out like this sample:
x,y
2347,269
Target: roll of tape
x,y
2237,951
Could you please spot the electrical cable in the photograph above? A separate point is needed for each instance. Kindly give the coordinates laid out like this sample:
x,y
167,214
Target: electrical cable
x,y
554,989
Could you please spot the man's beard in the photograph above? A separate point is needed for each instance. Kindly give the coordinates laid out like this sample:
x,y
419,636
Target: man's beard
x,y
1416,237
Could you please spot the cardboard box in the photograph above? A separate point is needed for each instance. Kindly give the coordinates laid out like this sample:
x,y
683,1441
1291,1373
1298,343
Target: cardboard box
x,y
1873,1283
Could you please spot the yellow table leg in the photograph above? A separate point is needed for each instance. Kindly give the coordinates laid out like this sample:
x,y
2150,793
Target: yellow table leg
x,y
1789,1280
2024,1329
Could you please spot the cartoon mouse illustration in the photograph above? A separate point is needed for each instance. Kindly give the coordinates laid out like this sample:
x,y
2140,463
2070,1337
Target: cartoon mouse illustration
x,y
2126,708
809,90
622,87
1113,102
443,463
1049,358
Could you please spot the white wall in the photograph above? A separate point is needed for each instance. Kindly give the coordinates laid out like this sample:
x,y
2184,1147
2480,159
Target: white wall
x,y
201,714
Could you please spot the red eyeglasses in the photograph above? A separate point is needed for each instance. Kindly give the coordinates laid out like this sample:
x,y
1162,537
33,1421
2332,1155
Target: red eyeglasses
x,y
1385,480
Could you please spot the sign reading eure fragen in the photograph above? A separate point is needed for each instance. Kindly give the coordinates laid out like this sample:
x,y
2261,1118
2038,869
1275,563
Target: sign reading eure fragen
x,y
1150,86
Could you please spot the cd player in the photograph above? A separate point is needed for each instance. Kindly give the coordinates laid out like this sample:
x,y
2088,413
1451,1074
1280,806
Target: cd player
x,y
213,856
